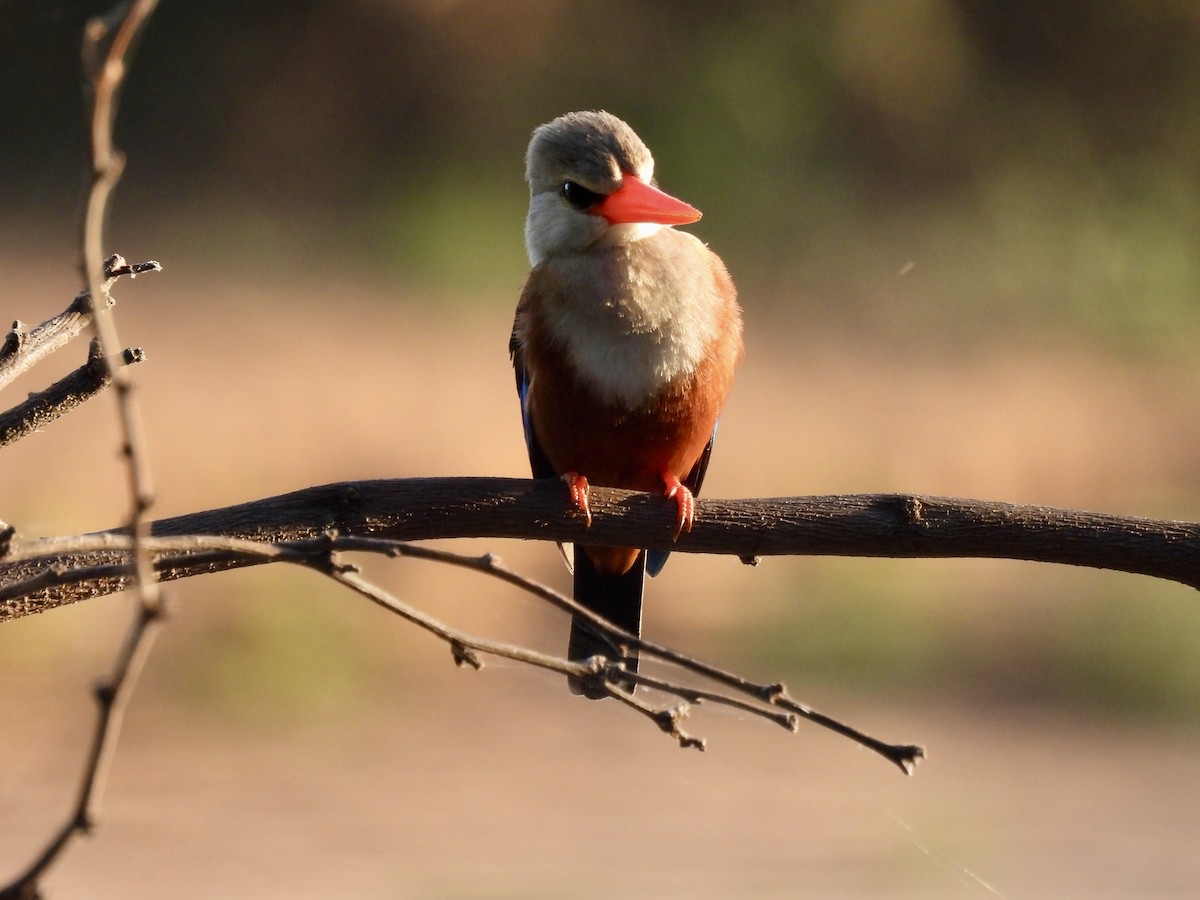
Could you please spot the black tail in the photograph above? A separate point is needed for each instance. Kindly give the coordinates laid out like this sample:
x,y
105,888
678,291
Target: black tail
x,y
617,598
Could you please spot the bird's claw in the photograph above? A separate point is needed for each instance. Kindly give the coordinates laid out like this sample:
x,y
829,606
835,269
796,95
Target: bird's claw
x,y
684,500
577,485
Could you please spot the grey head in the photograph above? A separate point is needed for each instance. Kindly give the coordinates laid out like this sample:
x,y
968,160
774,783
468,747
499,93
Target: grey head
x,y
572,163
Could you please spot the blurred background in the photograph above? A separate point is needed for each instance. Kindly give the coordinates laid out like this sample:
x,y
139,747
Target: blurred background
x,y
967,240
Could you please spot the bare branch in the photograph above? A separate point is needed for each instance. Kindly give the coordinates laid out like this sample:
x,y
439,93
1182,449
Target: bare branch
x,y
23,347
880,525
64,395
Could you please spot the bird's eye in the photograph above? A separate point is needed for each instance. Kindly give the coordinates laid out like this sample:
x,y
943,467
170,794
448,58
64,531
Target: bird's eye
x,y
578,196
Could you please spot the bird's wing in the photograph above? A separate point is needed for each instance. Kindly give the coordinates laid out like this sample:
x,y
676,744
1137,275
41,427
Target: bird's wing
x,y
538,463
695,477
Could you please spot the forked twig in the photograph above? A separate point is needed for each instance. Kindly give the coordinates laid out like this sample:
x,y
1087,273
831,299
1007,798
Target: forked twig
x,y
23,347
905,756
768,701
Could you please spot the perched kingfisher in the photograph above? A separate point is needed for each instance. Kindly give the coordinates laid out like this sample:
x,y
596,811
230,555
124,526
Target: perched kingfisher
x,y
624,345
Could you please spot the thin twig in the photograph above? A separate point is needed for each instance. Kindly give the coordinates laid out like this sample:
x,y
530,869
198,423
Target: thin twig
x,y
115,541
465,647
112,697
696,696
666,718
105,70
610,677
318,553
903,755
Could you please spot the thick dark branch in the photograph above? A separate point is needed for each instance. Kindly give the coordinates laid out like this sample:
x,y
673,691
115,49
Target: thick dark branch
x,y
880,525
64,395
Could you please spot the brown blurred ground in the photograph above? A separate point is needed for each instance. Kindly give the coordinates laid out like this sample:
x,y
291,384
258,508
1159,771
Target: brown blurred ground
x,y
290,741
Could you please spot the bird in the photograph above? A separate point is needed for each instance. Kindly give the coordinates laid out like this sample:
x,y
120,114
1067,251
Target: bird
x,y
624,344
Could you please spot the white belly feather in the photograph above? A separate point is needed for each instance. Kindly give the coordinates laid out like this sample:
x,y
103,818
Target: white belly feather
x,y
641,325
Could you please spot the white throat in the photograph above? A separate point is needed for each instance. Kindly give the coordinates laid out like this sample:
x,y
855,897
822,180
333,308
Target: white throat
x,y
540,235
630,232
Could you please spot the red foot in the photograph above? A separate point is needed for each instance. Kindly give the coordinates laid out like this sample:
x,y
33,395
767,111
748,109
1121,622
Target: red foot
x,y
578,486
685,501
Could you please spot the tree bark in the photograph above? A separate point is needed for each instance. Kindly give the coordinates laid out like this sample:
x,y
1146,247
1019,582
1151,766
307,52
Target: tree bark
x,y
877,525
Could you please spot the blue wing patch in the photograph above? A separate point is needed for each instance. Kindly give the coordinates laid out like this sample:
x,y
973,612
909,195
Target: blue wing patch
x,y
523,394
